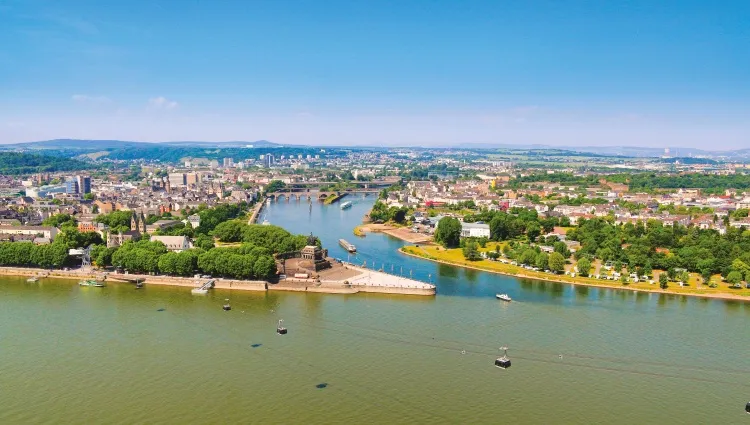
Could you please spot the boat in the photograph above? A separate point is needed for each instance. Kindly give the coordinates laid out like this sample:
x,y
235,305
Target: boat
x,y
199,291
32,279
266,223
347,246
504,297
346,205
92,282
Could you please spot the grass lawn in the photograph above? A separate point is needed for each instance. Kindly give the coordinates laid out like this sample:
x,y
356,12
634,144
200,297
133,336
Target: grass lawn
x,y
455,256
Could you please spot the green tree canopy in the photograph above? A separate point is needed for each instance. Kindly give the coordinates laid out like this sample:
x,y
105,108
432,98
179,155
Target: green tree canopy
x,y
448,232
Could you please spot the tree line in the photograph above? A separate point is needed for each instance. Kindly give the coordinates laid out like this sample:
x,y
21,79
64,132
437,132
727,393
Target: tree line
x,y
251,259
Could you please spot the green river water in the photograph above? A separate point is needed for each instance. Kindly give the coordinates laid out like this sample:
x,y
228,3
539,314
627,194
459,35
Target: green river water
x,y
108,355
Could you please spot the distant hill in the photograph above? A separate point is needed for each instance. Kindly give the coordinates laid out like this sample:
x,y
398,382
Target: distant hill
x,y
73,147
232,144
120,144
76,144
14,163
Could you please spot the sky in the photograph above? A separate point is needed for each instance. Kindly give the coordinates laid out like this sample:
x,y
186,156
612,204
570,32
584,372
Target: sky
x,y
382,72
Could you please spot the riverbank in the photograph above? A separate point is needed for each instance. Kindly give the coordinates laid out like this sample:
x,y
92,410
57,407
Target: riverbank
x,y
255,213
357,280
451,257
403,233
333,198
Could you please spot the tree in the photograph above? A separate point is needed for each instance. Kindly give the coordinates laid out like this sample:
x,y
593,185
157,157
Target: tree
x,y
275,186
72,238
471,251
203,242
561,248
230,231
533,229
448,232
734,277
647,269
663,280
542,261
584,266
528,256
59,220
499,227
116,220
264,267
399,215
556,262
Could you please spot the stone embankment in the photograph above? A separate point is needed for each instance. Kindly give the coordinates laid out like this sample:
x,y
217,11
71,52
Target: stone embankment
x,y
359,280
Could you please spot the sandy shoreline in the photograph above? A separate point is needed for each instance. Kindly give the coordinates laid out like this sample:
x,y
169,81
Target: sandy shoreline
x,y
549,279
403,233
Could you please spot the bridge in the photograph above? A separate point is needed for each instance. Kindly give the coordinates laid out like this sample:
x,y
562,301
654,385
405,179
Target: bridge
x,y
316,195
360,184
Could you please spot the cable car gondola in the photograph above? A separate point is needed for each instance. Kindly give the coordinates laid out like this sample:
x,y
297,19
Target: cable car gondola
x,y
503,362
281,330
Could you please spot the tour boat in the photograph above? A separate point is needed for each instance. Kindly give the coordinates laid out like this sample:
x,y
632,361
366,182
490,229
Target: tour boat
x,y
347,246
32,279
504,297
92,282
346,205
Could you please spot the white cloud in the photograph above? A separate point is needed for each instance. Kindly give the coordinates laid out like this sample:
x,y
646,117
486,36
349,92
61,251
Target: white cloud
x,y
84,98
162,102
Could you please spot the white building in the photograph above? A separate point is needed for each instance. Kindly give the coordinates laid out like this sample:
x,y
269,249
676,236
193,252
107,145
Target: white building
x,y
174,243
43,231
475,230
194,220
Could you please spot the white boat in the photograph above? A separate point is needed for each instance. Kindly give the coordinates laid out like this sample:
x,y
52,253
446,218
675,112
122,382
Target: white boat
x,y
32,279
346,205
347,246
504,297
199,291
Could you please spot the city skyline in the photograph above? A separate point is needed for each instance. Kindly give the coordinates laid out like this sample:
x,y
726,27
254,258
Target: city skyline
x,y
388,74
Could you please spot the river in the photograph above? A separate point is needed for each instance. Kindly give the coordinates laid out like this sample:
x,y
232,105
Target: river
x,y
161,355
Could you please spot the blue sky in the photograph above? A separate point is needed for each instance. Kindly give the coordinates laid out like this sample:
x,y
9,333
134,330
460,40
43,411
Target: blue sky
x,y
636,73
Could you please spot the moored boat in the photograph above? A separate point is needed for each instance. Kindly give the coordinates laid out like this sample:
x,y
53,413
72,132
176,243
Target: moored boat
x,y
92,282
